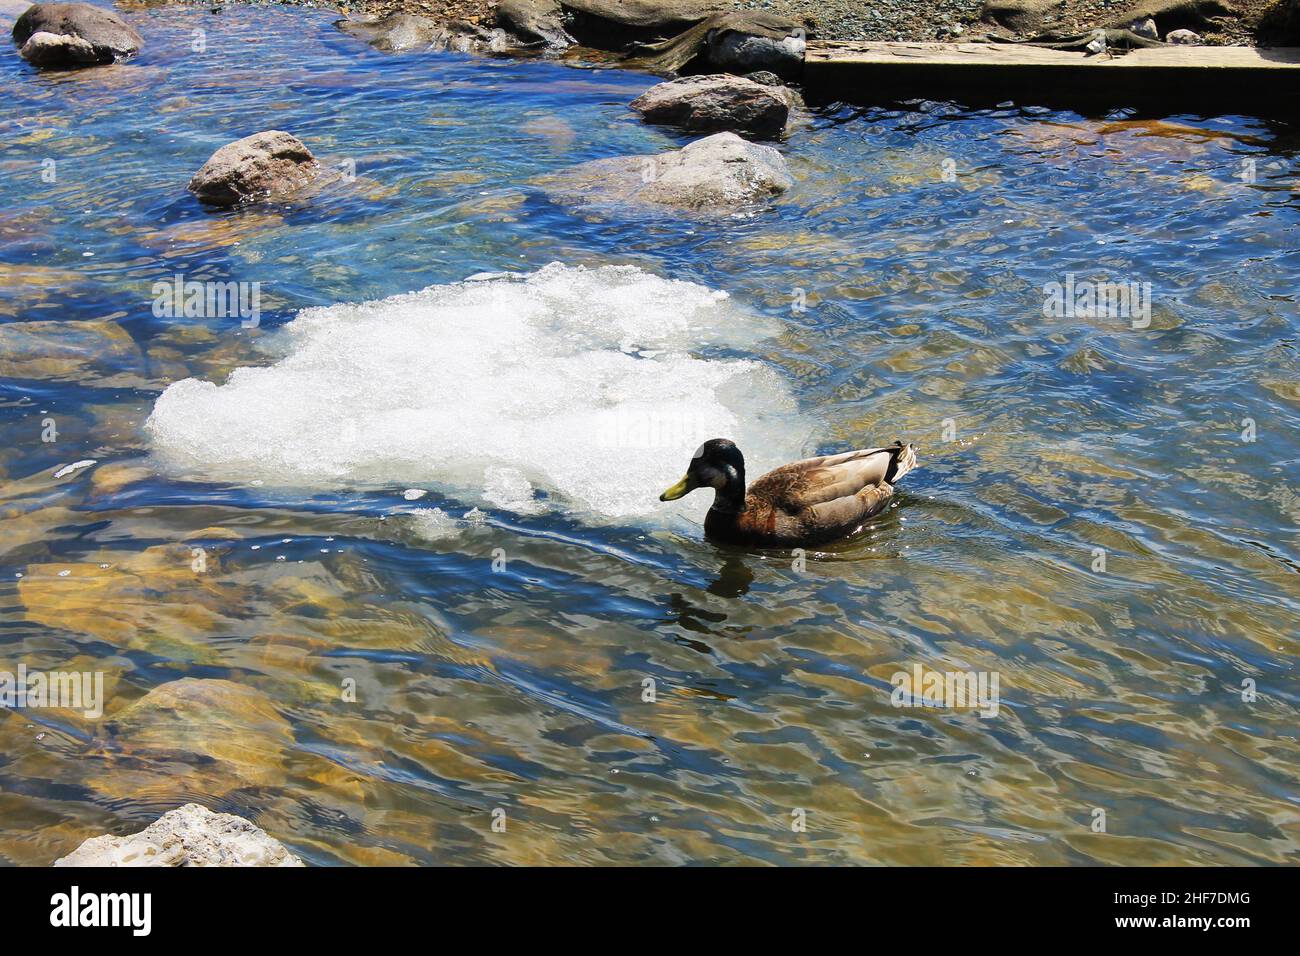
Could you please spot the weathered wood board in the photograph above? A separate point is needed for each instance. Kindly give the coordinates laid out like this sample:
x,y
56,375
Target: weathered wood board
x,y
1184,78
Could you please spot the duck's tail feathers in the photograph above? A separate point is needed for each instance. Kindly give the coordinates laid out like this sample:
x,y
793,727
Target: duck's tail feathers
x,y
903,461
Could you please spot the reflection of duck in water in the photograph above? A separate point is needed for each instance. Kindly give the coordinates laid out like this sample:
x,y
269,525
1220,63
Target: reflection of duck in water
x,y
807,502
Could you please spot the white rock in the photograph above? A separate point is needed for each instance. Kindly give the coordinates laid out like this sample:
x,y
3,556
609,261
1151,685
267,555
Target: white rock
x,y
1144,28
189,836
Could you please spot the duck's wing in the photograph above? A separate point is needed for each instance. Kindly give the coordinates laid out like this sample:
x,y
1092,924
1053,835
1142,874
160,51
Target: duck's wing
x,y
837,480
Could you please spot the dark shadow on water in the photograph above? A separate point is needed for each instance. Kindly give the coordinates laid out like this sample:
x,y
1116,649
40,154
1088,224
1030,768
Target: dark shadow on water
x,y
734,577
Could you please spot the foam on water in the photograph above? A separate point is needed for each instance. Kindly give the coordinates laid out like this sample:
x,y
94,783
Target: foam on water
x,y
575,389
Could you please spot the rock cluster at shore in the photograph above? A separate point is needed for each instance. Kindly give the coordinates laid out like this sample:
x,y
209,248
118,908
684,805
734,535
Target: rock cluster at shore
x,y
614,24
399,32
69,35
188,836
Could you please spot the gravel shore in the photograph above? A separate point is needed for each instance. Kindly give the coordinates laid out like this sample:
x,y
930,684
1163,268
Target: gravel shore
x,y
897,20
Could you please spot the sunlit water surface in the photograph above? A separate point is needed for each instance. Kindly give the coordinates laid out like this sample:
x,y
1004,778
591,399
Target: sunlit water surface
x,y
1048,445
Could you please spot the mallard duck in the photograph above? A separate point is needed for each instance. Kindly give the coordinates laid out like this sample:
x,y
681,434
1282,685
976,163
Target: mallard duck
x,y
804,503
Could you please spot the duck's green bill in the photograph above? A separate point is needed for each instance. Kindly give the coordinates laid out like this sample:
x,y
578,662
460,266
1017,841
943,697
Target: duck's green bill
x,y
677,490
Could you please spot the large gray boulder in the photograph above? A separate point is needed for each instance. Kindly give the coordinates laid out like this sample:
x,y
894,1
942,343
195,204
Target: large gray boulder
x,y
272,165
719,174
108,35
189,836
717,102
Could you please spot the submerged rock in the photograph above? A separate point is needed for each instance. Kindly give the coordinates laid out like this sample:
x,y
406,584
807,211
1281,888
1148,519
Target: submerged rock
x,y
717,102
69,350
399,32
270,165
108,36
192,736
720,173
188,836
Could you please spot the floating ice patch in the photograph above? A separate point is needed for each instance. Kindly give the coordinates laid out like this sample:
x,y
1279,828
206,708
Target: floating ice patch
x,y
434,524
74,467
573,389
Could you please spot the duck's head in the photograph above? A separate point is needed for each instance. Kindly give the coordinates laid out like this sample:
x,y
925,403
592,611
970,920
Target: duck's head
x,y
717,464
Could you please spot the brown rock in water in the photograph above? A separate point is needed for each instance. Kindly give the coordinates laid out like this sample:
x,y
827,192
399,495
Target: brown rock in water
x,y
270,165
715,175
193,736
68,351
188,836
109,36
717,102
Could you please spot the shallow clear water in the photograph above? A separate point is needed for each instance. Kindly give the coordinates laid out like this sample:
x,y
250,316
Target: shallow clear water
x,y
521,687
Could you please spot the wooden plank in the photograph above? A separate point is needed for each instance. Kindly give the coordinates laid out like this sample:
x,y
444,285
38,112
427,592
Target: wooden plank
x,y
1184,78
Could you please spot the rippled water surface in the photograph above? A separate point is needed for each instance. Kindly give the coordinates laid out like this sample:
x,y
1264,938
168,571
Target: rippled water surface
x,y
501,661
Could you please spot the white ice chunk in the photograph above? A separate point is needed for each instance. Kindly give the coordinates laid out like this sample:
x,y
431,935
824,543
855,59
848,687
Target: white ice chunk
x,y
582,390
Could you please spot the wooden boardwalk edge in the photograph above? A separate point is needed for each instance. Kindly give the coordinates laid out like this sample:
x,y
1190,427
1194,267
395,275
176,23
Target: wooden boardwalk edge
x,y
1184,78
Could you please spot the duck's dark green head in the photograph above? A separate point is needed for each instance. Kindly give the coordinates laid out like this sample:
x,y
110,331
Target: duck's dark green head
x,y
717,464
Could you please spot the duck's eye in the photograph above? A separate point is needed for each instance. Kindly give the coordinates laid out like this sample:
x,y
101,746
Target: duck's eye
x,y
710,476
